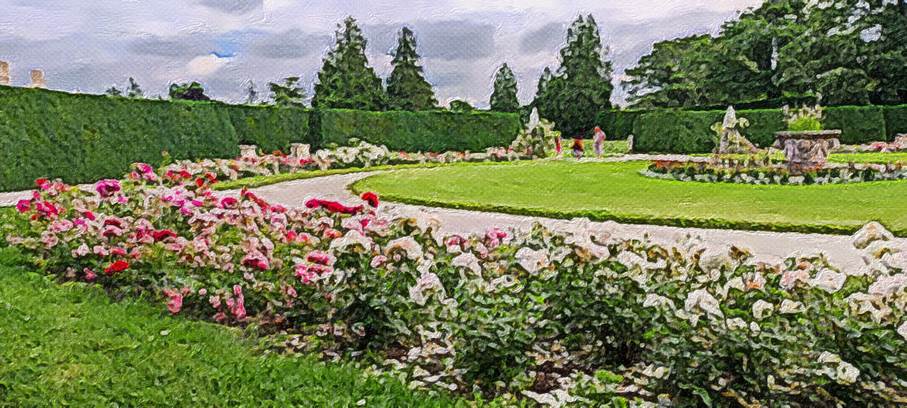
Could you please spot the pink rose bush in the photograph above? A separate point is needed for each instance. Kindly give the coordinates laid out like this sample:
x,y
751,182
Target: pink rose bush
x,y
569,317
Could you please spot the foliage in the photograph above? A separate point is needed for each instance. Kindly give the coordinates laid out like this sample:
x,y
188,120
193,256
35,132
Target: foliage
x,y
287,94
895,118
127,353
407,89
188,91
457,105
434,131
844,50
270,128
504,97
346,80
538,142
582,86
803,119
618,192
499,313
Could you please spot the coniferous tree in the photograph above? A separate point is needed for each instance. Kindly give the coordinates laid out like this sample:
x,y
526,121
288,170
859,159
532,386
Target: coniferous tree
x,y
251,93
504,97
188,91
582,87
113,91
407,89
287,94
346,80
542,100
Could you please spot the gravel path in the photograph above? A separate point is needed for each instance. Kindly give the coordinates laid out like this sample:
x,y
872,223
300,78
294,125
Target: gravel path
x,y
767,246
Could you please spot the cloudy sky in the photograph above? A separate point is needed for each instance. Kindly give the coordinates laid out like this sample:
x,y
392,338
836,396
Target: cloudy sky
x,y
91,45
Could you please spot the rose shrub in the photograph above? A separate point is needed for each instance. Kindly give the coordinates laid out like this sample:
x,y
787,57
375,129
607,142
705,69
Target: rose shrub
x,y
559,317
745,172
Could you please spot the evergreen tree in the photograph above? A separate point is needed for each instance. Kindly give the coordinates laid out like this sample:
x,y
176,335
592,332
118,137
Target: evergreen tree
x,y
287,94
504,97
113,91
134,90
346,80
582,87
542,100
407,89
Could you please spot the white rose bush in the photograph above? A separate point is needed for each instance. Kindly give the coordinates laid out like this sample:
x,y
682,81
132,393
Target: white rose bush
x,y
573,318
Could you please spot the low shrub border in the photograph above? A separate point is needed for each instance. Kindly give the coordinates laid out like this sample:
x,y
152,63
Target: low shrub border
x,y
763,175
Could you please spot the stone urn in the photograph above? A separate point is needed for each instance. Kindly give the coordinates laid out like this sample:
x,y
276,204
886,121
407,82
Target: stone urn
x,y
248,151
807,149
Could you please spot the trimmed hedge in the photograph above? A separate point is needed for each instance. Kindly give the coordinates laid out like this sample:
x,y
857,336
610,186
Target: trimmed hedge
x,y
618,124
435,131
680,131
81,138
895,120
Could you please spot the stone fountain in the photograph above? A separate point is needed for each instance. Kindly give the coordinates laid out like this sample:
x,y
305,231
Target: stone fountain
x,y
807,149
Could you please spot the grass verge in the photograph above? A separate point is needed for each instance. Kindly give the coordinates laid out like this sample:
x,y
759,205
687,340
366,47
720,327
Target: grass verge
x,y
70,345
617,192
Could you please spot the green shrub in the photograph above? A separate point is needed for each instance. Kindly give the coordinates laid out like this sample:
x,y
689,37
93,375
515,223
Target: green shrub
x,y
895,120
435,131
618,124
675,131
804,124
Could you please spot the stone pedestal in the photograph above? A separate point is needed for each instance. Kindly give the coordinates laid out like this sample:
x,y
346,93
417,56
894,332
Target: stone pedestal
x,y
37,79
807,150
4,73
300,150
248,151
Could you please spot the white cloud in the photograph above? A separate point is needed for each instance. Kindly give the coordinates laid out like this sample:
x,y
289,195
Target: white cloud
x,y
206,65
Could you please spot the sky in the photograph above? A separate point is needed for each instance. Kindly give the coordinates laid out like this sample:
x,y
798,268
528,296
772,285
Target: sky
x,y
89,46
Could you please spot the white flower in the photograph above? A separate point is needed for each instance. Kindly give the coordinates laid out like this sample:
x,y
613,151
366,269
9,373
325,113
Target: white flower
x,y
760,307
704,300
407,244
735,323
426,282
653,300
790,306
902,330
352,237
532,260
847,373
827,357
713,258
829,280
888,285
789,279
630,259
469,261
870,233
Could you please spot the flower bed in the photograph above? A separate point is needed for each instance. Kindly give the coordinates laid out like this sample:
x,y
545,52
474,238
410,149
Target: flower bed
x,y
555,317
361,154
746,172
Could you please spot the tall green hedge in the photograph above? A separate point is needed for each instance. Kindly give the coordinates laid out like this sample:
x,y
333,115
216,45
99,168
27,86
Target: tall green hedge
x,y
270,128
618,124
435,131
679,131
82,138
896,120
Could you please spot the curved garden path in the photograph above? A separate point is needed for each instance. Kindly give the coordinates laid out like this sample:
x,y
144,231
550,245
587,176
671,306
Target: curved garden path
x,y
767,246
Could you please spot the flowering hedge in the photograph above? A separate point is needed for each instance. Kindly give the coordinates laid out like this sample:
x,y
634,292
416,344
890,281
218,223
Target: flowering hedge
x,y
556,317
744,172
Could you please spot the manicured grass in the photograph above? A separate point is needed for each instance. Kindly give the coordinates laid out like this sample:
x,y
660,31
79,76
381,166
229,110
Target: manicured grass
x,y
616,191
868,157
70,345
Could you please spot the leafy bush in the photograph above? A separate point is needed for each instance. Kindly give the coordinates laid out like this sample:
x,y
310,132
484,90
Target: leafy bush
x,y
575,315
270,128
618,124
435,131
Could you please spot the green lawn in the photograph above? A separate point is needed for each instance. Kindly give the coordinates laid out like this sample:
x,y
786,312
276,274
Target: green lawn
x,y
70,345
616,191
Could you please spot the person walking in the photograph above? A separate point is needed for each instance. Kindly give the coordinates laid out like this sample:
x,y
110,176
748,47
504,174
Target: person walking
x,y
598,141
578,147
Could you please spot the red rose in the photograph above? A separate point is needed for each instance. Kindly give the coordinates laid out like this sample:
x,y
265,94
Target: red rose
x,y
371,198
161,235
116,267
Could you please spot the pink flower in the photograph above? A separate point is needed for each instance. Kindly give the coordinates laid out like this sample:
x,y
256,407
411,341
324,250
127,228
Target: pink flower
x,y
107,188
81,251
228,202
214,301
256,260
378,261
305,274
320,257
23,206
371,198
90,276
291,292
116,267
239,307
174,302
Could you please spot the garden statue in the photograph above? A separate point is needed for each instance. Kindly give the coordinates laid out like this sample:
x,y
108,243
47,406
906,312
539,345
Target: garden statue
x,y
248,151
534,119
730,141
